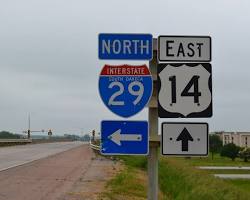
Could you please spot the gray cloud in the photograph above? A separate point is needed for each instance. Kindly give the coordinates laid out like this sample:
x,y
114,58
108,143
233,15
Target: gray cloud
x,y
49,65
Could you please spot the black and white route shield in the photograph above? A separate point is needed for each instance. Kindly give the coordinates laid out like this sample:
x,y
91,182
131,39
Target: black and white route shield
x,y
185,90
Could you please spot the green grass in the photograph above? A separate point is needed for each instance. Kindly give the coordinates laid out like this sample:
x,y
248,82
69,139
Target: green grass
x,y
244,184
135,161
180,180
126,185
129,183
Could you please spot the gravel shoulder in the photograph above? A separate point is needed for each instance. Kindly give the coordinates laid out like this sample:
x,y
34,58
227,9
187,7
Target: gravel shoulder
x,y
93,182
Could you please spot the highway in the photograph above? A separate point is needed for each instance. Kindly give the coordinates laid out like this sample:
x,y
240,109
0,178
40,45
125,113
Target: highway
x,y
50,172
21,154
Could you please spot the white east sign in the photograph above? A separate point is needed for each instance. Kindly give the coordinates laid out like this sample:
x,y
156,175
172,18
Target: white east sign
x,y
184,48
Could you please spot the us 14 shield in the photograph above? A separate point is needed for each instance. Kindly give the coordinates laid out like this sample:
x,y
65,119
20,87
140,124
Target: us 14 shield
x,y
184,90
125,89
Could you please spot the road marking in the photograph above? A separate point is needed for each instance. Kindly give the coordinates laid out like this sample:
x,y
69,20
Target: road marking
x,y
224,167
233,176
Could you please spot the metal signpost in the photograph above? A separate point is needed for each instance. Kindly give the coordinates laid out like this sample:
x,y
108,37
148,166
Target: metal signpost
x,y
185,139
124,137
125,89
154,144
174,90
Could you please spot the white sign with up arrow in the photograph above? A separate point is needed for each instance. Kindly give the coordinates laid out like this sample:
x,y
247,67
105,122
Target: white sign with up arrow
x,y
185,139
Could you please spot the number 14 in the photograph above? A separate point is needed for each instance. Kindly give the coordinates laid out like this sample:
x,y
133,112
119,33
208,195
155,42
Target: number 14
x,y
193,82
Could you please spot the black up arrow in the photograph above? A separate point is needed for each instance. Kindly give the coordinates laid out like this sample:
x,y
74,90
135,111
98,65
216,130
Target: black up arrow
x,y
185,137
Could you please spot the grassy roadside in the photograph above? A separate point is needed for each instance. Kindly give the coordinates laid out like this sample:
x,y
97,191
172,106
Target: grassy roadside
x,y
240,183
130,184
178,179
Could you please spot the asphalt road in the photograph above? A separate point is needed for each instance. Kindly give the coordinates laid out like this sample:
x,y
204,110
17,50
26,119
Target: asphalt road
x,y
49,178
18,155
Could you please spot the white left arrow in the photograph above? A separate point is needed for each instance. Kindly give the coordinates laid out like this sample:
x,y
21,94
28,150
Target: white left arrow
x,y
117,137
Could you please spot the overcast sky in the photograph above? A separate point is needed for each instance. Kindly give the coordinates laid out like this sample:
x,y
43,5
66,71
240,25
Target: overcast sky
x,y
49,65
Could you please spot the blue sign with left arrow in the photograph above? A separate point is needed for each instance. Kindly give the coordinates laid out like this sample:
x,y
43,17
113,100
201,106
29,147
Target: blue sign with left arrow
x,y
124,137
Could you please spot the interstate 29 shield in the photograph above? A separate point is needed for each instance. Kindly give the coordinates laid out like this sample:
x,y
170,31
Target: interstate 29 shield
x,y
125,89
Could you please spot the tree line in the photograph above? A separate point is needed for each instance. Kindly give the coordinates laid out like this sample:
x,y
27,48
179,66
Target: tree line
x,y
229,150
9,135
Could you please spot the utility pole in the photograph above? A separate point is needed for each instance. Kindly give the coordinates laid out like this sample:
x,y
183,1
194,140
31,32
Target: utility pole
x,y
93,135
29,127
34,131
29,121
153,131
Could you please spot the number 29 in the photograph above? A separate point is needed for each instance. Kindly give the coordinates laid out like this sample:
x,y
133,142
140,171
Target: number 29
x,y
138,93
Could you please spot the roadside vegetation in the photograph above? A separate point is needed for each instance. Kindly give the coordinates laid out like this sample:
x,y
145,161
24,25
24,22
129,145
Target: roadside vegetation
x,y
8,135
178,179
230,150
243,184
129,184
215,144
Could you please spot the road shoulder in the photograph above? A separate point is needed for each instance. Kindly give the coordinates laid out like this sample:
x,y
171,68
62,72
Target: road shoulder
x,y
93,181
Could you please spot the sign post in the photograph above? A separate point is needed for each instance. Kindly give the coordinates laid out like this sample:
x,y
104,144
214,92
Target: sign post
x,y
153,133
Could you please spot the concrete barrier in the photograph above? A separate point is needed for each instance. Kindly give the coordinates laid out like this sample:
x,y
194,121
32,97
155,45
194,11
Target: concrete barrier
x,y
15,140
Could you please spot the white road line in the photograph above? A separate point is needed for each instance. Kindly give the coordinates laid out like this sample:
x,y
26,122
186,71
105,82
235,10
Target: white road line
x,y
233,176
224,167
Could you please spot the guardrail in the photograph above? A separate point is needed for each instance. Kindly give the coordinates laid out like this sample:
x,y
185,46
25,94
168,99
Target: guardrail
x,y
15,140
95,147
